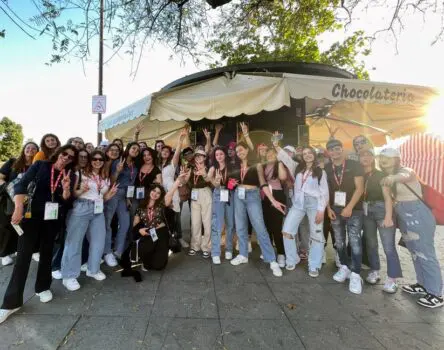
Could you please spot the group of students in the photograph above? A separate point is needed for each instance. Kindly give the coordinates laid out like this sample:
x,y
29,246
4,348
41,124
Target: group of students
x,y
70,206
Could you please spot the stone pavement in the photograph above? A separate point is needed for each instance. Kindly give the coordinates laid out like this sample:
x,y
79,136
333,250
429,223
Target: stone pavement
x,y
196,305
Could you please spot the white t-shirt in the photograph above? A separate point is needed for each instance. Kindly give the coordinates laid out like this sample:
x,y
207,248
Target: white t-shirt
x,y
168,174
311,187
94,182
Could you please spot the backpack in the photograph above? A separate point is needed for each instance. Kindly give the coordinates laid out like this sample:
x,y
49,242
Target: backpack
x,y
433,200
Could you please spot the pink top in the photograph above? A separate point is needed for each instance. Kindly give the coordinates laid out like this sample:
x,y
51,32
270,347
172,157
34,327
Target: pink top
x,y
274,183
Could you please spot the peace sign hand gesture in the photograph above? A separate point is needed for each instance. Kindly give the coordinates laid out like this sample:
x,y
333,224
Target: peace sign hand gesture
x,y
206,133
85,187
120,165
139,127
66,182
218,177
244,128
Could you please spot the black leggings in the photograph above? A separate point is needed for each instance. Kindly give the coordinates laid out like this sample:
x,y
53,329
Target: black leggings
x,y
274,219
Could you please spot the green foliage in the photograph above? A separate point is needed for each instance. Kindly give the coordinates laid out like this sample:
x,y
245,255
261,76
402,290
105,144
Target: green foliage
x,y
286,31
11,139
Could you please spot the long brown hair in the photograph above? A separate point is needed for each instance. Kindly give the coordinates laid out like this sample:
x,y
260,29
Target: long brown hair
x,y
88,171
20,163
49,152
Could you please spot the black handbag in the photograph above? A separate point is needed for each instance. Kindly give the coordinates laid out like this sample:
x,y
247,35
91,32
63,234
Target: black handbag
x,y
173,241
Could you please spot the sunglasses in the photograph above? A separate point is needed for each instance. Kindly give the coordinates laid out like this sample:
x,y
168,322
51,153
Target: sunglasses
x,y
66,154
97,160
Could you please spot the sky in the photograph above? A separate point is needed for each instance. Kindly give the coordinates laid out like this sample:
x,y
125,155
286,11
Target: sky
x,y
57,99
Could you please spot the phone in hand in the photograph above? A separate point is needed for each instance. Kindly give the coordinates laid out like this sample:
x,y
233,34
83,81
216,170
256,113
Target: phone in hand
x,y
276,138
231,184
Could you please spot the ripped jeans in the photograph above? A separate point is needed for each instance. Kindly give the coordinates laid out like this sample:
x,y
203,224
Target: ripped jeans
x,y
291,224
352,227
417,225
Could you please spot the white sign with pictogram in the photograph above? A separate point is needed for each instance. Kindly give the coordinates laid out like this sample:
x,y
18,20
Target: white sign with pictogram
x,y
99,104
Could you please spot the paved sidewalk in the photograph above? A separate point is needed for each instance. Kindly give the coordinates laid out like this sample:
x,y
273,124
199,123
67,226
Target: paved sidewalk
x,y
195,305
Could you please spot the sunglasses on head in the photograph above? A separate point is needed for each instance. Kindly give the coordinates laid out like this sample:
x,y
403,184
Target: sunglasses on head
x,y
66,154
97,160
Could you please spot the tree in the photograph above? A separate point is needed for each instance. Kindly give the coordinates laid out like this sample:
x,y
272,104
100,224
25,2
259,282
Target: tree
x,y
11,139
187,25
286,31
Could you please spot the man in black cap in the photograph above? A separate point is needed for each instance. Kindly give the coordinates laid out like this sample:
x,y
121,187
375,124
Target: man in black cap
x,y
346,183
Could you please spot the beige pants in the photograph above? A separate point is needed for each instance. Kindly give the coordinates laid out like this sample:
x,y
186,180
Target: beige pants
x,y
201,215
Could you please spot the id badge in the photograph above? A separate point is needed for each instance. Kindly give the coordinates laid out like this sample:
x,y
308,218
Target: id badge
x,y
51,211
241,193
365,208
194,194
130,192
224,194
340,198
98,206
153,234
18,229
140,193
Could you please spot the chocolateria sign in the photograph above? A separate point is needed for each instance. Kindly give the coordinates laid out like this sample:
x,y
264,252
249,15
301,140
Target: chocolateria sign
x,y
372,93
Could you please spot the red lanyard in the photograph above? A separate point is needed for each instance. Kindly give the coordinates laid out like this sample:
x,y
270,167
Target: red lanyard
x,y
142,177
243,173
305,177
131,171
150,214
366,183
54,185
98,182
339,181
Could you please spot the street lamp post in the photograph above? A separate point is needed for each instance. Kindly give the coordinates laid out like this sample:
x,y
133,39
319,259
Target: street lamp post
x,y
99,115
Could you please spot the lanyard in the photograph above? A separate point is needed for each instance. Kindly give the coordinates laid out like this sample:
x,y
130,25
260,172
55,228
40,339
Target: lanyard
x,y
305,177
131,171
98,182
366,183
243,173
338,181
54,185
142,177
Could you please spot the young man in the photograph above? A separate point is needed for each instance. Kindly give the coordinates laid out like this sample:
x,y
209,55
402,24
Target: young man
x,y
346,183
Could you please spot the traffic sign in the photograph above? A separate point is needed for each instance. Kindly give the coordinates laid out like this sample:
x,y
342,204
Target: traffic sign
x,y
99,104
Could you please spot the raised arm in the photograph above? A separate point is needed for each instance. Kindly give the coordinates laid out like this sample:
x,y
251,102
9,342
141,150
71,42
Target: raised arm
x,y
176,156
208,143
217,129
181,179
246,134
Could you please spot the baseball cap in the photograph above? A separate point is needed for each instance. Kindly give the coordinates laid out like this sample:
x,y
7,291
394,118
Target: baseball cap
x,y
187,150
333,143
290,149
200,152
390,153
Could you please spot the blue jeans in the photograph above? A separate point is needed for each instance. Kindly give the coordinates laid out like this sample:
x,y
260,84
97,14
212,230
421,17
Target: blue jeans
x,y
417,225
352,227
251,208
373,223
223,212
291,226
117,203
83,222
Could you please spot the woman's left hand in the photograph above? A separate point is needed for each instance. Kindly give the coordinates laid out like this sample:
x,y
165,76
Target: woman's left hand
x,y
319,217
388,222
279,206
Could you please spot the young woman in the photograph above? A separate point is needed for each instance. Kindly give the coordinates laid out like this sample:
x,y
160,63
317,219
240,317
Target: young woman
x,y
77,142
417,225
149,173
201,202
10,171
48,145
310,197
274,173
87,218
223,205
112,153
150,229
124,173
54,181
119,143
378,216
247,205
89,147
261,151
143,145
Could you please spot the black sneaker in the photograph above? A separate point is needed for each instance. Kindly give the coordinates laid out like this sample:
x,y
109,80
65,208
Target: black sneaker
x,y
431,301
192,252
414,289
206,255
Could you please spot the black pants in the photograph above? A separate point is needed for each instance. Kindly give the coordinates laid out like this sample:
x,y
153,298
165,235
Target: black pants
x,y
153,255
274,219
328,229
35,230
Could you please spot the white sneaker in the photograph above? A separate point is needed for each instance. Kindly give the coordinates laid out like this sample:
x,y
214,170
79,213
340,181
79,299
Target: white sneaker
x,y
71,284
250,247
274,266
281,261
183,243
4,314
337,261
313,273
355,285
290,267
36,257
143,268
84,267
99,276
228,255
239,260
261,257
110,260
390,286
7,260
216,260
57,275
45,297
373,277
342,274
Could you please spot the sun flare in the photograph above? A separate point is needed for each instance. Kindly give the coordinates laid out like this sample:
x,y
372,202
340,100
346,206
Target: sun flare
x,y
435,116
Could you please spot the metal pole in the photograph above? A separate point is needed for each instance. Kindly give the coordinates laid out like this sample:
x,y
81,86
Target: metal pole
x,y
99,115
